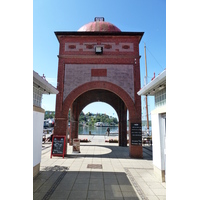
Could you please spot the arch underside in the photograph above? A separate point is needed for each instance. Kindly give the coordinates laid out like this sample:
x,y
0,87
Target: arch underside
x,y
95,96
98,85
98,95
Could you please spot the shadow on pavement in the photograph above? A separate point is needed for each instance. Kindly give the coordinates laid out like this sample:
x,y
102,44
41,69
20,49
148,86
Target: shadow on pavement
x,y
114,152
59,183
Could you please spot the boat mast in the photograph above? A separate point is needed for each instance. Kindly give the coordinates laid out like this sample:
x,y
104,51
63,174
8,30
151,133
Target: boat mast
x,y
146,84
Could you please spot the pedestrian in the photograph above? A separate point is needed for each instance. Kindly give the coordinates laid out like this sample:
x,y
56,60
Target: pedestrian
x,y
52,135
108,131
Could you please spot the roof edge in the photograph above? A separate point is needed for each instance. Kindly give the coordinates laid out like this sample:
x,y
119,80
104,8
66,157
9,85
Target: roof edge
x,y
57,33
99,33
153,84
37,79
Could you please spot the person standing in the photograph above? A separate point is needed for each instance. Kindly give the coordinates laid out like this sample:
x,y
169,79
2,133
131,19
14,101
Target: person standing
x,y
108,131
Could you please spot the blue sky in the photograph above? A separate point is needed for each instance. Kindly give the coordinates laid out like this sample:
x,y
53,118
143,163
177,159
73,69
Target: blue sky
x,y
128,15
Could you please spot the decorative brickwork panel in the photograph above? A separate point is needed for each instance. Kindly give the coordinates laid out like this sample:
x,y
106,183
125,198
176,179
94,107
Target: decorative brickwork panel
x,y
79,74
98,72
107,46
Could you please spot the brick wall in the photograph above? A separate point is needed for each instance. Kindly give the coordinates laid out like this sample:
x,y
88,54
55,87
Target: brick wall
x,y
79,74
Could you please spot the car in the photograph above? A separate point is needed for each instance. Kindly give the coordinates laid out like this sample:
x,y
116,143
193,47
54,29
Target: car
x,y
46,123
51,123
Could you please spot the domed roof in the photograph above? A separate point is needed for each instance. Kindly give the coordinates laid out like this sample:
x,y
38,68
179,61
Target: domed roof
x,y
101,26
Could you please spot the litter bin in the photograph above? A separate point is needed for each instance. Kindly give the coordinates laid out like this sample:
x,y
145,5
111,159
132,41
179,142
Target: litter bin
x,y
76,145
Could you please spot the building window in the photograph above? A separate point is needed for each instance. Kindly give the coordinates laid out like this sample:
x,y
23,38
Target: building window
x,y
37,96
160,98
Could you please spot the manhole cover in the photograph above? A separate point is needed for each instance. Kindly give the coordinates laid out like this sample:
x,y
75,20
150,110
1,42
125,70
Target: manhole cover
x,y
94,166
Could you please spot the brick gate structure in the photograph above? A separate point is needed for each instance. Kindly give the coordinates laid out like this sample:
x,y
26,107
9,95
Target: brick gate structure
x,y
99,63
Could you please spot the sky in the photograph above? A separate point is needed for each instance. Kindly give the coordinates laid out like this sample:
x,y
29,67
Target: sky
x,y
69,15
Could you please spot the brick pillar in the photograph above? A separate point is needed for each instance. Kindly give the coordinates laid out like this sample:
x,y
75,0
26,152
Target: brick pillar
x,y
120,133
60,128
73,122
122,124
135,151
124,127
60,87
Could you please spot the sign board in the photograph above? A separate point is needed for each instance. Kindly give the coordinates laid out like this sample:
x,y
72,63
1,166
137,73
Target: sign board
x,y
58,145
76,145
136,133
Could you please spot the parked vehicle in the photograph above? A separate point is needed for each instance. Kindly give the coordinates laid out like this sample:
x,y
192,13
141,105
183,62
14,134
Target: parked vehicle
x,y
46,123
49,123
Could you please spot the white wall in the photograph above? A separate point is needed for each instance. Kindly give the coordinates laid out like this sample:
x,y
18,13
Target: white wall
x,y
38,120
156,140
158,137
162,140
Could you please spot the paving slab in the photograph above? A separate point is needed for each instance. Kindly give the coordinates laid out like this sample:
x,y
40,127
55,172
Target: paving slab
x,y
101,171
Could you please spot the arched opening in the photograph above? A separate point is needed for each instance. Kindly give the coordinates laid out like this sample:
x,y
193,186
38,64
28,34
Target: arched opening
x,y
100,107
96,117
99,95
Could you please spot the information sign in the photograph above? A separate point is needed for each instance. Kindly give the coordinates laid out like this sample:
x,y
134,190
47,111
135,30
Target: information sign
x,y
76,145
58,145
136,133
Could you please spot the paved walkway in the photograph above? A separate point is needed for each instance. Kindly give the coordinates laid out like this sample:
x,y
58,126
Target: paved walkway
x,y
101,171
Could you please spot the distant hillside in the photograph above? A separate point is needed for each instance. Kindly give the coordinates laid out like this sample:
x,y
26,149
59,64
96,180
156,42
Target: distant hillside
x,y
91,118
88,119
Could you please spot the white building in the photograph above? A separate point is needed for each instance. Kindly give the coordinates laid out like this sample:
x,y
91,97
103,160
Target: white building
x,y
99,124
157,88
40,87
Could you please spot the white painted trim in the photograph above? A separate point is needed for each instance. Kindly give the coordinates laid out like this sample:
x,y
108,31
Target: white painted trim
x,y
38,80
153,84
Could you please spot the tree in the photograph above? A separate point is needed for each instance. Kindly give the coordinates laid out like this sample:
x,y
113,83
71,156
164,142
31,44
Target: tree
x,y
49,115
82,117
90,118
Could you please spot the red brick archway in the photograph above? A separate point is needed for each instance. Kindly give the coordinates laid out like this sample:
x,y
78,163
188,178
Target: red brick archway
x,y
134,108
100,85
98,60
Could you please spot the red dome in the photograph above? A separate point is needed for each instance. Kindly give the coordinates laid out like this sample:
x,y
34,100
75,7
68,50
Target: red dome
x,y
101,26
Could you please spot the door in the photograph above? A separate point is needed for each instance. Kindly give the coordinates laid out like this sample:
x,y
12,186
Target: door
x,y
163,116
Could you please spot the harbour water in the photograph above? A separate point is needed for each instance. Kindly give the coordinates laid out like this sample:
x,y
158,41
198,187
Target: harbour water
x,y
84,130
